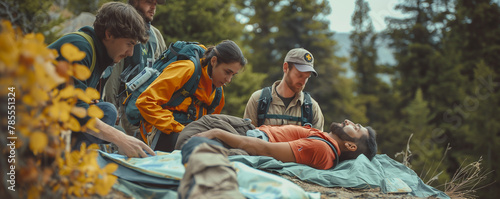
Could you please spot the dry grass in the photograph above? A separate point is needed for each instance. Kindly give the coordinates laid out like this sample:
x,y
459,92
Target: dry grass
x,y
406,154
434,175
465,181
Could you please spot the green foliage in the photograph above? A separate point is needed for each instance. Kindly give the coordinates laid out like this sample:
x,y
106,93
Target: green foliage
x,y
415,42
279,26
369,88
452,55
43,16
29,15
79,6
472,36
477,117
240,89
347,105
264,21
208,22
426,153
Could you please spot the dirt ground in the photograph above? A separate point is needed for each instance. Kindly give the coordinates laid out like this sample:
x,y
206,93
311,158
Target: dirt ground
x,y
327,193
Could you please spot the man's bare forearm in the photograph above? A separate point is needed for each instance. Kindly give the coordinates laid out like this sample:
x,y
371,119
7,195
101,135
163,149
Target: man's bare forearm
x,y
105,132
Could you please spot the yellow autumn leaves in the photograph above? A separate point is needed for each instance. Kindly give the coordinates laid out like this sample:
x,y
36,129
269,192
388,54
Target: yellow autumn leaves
x,y
80,168
30,67
41,140
72,54
46,105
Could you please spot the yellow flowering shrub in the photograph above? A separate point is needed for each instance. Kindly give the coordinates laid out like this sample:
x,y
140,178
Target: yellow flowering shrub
x,y
44,109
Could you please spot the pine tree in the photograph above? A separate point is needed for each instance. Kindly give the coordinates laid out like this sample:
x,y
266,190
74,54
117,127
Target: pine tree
x,y
426,153
451,53
240,89
279,26
414,41
208,22
370,88
424,80
472,120
263,20
364,52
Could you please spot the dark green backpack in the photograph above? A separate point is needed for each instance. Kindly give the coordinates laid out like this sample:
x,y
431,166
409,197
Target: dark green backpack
x,y
266,99
179,50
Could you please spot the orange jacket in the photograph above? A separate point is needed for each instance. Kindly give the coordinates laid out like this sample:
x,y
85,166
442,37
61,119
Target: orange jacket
x,y
161,90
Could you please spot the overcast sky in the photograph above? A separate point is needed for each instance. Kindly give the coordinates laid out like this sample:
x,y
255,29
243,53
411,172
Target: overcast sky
x,y
342,10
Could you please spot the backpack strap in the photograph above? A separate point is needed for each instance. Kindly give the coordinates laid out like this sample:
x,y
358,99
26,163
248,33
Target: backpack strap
x,y
153,42
191,112
189,88
215,102
265,101
91,42
307,112
331,146
263,106
179,50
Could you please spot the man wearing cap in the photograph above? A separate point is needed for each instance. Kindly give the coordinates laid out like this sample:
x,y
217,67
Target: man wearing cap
x,y
128,68
284,102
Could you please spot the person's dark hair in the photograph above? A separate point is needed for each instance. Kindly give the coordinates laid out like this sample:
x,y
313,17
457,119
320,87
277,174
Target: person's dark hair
x,y
291,65
370,143
226,52
121,20
367,145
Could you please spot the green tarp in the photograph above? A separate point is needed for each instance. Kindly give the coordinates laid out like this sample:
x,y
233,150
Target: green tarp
x,y
159,175
357,173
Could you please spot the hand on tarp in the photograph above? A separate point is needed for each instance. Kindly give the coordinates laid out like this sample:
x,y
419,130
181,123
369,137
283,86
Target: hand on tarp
x,y
134,148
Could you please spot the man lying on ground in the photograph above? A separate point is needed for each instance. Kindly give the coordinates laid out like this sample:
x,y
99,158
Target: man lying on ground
x,y
287,143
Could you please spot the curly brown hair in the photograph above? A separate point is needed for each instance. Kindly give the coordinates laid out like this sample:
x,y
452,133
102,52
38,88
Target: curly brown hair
x,y
121,20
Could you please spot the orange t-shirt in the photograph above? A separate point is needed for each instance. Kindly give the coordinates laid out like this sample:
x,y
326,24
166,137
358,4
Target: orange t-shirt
x,y
311,152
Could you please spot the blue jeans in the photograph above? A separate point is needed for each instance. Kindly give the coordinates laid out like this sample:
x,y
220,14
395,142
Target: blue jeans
x,y
110,114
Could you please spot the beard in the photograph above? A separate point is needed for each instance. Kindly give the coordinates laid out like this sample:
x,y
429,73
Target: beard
x,y
289,83
146,18
143,14
338,129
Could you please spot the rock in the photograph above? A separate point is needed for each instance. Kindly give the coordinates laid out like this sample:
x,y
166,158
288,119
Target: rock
x,y
72,25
